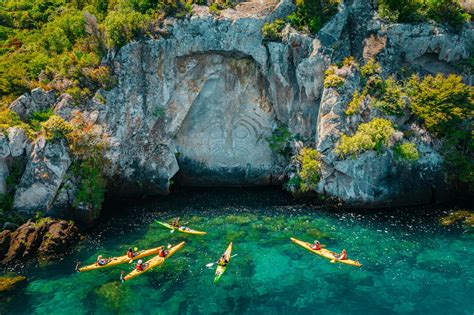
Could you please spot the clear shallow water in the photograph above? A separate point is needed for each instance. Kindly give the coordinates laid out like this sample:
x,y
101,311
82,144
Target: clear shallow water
x,y
411,264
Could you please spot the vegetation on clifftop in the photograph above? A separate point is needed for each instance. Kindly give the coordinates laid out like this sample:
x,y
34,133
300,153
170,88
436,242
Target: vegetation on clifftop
x,y
449,12
59,44
444,105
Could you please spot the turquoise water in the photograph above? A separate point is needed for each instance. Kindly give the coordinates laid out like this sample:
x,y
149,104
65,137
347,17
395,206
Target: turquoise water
x,y
411,265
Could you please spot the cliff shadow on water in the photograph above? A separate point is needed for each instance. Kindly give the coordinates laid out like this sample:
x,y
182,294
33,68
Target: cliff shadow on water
x,y
210,201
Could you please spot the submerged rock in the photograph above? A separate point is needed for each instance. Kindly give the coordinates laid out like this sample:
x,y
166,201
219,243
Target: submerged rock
x,y
9,282
463,216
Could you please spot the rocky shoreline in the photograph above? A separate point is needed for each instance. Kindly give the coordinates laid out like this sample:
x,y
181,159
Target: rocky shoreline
x,y
197,104
44,239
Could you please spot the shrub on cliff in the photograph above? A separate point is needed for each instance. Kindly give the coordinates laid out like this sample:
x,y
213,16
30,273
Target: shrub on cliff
x,y
391,100
124,25
311,15
446,107
9,119
355,103
373,135
310,168
371,67
272,31
407,151
88,144
448,12
56,128
92,184
279,142
441,102
331,79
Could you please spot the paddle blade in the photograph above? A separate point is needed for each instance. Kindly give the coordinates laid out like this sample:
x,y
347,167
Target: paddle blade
x,y
209,265
172,231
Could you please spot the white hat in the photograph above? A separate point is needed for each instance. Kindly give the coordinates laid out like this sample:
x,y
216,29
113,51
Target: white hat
x,y
140,261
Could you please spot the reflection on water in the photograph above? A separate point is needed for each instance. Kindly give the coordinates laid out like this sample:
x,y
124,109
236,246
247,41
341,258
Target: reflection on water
x,y
411,264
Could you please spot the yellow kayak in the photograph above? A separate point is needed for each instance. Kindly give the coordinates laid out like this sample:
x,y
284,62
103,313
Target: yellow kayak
x,y
181,229
154,262
326,253
221,269
122,259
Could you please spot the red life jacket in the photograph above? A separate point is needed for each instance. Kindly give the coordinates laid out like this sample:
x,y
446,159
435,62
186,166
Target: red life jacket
x,y
130,254
140,267
162,253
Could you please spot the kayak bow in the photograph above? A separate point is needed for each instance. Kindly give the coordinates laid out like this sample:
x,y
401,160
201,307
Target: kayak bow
x,y
181,229
325,253
154,262
122,259
221,269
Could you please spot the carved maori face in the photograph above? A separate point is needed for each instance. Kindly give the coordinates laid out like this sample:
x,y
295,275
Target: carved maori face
x,y
226,125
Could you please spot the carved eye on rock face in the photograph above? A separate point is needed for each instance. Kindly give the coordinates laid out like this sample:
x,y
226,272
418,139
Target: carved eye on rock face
x,y
241,132
216,132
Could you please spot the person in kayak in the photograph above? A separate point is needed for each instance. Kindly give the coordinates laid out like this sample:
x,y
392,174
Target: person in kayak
x,y
130,253
175,222
316,245
140,265
342,255
101,261
223,261
163,252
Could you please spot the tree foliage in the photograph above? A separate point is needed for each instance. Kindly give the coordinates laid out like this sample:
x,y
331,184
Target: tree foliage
x,y
391,97
449,12
445,105
373,135
272,31
311,15
59,44
310,168
441,102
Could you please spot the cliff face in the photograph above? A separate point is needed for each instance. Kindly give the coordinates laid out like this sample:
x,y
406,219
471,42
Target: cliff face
x,y
198,103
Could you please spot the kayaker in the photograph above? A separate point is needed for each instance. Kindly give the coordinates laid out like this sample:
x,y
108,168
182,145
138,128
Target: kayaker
x,y
130,253
122,273
78,264
342,255
163,253
175,222
223,261
101,261
316,245
140,266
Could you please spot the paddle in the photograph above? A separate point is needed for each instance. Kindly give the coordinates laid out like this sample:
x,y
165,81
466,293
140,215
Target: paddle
x,y
209,265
